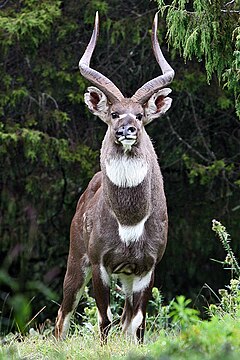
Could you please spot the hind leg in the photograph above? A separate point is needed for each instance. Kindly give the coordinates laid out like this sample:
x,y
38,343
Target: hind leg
x,y
77,276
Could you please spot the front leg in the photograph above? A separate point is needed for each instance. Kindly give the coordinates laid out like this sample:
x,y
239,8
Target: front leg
x,y
140,301
100,280
134,313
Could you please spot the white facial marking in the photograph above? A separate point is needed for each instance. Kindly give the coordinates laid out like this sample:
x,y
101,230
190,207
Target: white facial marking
x,y
126,172
104,275
129,234
121,116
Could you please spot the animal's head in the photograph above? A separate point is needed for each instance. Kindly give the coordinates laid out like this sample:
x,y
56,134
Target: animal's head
x,y
126,117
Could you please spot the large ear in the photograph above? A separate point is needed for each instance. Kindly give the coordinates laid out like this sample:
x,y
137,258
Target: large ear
x,y
97,102
157,105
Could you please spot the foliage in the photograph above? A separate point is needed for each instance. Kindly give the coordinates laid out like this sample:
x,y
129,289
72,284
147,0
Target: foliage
x,y
224,237
17,303
158,314
208,30
201,146
230,297
206,173
181,312
215,339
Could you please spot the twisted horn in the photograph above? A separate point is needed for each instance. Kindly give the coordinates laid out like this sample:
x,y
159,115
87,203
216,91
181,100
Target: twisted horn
x,y
149,88
95,77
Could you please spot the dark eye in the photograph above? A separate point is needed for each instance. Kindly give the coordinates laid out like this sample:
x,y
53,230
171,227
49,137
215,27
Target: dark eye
x,y
139,116
115,115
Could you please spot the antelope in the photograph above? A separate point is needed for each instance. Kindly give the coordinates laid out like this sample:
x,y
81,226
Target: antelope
x,y
121,221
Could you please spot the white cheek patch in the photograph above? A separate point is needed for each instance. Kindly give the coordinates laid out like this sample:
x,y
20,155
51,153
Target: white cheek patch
x,y
126,172
130,234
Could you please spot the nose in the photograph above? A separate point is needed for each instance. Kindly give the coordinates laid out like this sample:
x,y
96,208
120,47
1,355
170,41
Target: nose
x,y
126,131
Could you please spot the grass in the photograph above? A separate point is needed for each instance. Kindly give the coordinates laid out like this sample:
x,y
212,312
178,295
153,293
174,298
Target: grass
x,y
218,338
86,346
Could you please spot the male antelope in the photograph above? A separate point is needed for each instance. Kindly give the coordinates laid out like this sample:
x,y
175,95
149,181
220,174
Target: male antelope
x,y
120,225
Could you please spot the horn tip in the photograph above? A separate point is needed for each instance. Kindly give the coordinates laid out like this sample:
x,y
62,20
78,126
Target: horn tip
x,y
155,24
96,19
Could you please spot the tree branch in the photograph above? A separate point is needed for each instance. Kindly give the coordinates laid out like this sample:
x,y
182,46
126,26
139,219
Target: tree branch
x,y
186,143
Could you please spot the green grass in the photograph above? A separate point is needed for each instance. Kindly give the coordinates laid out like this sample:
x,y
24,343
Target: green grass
x,y
218,338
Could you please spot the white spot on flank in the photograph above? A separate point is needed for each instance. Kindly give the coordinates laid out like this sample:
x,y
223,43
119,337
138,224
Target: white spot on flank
x,y
132,233
126,172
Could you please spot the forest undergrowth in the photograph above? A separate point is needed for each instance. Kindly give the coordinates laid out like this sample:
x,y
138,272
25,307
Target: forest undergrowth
x,y
173,331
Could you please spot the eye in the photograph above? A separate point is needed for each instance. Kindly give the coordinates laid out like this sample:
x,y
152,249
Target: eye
x,y
139,116
115,115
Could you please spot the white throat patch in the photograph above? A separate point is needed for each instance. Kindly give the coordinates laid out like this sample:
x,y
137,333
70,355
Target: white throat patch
x,y
126,172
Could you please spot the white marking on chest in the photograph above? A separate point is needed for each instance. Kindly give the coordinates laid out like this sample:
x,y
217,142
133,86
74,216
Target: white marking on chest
x,y
126,172
132,233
